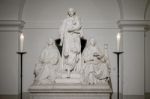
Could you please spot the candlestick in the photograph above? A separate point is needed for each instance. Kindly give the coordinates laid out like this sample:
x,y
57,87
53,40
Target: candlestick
x,y
118,54
21,42
21,73
118,41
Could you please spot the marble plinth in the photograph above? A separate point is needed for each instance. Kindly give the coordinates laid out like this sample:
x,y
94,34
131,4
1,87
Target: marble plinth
x,y
75,78
70,91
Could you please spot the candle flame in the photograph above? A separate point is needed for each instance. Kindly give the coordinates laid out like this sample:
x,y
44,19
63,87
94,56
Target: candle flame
x,y
118,36
22,36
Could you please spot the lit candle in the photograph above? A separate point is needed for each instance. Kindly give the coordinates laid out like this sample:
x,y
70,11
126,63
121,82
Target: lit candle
x,y
21,42
118,41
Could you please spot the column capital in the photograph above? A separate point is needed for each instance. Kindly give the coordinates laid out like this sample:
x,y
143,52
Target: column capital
x,y
11,25
134,25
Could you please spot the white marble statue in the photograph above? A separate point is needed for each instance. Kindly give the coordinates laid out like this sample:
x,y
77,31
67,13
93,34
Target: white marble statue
x,y
82,74
71,32
95,64
45,70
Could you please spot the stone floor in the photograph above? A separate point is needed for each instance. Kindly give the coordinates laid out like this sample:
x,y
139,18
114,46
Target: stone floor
x,y
26,96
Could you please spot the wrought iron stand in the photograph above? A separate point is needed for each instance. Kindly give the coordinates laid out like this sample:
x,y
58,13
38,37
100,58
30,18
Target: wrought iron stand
x,y
118,54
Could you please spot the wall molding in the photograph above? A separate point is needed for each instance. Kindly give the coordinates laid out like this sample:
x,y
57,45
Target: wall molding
x,y
124,25
11,25
56,25
134,25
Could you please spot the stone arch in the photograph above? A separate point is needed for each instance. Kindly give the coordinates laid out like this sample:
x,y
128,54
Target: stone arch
x,y
93,13
120,8
147,10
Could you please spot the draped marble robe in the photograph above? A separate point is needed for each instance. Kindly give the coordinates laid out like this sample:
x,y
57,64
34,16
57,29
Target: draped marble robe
x,y
71,32
95,65
45,70
90,61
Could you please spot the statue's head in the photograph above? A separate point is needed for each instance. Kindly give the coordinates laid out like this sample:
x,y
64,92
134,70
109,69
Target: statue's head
x,y
71,12
50,41
92,42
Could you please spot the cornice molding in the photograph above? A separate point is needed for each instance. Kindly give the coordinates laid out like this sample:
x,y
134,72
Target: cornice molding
x,y
134,25
11,25
56,25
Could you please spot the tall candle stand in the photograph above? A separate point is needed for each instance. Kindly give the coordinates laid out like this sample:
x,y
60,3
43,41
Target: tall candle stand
x,y
118,54
21,71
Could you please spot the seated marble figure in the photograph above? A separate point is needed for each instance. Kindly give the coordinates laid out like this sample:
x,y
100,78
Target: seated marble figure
x,y
95,64
45,69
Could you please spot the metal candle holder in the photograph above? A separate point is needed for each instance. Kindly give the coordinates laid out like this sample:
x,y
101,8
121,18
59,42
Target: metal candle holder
x,y
21,71
118,54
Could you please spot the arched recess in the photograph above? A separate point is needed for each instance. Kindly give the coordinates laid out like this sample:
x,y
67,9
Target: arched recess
x,y
94,13
43,18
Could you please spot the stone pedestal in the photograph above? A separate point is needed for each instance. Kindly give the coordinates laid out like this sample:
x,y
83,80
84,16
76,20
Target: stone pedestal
x,y
75,78
70,91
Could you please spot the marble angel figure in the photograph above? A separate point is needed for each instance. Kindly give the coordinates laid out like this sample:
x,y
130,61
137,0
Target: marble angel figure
x,y
71,32
45,70
95,67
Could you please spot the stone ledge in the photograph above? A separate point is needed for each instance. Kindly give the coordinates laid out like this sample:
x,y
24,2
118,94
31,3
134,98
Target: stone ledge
x,y
105,88
70,91
11,25
134,25
142,23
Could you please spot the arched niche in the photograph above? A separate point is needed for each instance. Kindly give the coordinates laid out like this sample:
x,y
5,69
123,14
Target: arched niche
x,y
49,13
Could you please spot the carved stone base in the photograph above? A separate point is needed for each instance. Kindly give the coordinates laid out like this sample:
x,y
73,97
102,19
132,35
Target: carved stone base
x,y
75,78
70,91
68,81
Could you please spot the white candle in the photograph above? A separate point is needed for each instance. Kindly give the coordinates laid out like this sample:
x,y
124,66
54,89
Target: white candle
x,y
118,41
21,42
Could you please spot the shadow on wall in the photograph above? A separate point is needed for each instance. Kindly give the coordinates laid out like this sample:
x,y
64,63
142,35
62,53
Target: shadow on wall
x,y
83,44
